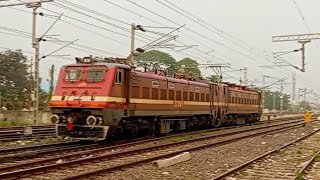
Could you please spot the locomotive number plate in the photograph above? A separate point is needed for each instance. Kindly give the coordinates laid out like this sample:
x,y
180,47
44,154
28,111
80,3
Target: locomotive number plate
x,y
76,98
177,104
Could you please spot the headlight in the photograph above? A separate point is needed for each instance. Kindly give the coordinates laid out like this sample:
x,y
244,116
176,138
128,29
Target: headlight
x,y
91,120
55,119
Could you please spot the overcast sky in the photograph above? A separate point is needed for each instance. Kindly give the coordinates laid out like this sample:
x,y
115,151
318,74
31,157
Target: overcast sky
x,y
239,31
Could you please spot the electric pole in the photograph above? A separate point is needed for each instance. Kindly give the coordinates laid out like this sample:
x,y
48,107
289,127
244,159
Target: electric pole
x,y
35,45
281,96
300,38
293,98
133,30
245,76
299,95
32,84
263,90
133,50
305,99
303,43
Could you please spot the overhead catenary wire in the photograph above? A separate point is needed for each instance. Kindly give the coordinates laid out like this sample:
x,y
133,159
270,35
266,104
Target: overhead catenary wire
x,y
143,16
195,32
197,21
98,19
201,49
58,42
301,15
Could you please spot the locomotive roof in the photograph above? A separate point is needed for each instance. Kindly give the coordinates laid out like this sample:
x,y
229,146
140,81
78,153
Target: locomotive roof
x,y
124,66
108,65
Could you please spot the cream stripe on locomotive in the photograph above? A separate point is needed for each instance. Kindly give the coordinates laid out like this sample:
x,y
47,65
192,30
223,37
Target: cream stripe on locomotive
x,y
145,101
150,101
89,98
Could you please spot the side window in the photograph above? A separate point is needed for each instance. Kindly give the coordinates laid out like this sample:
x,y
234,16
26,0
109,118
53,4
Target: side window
x,y
191,96
197,97
202,97
171,94
207,98
163,94
178,95
119,77
185,96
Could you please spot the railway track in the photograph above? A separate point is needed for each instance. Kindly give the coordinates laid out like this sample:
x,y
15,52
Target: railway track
x,y
116,157
293,160
16,150
27,152
18,132
311,169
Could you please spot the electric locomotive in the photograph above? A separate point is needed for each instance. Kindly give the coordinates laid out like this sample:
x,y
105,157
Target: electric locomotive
x,y
96,98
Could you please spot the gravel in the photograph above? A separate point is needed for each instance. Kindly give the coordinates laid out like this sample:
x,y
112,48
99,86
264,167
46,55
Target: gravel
x,y
210,162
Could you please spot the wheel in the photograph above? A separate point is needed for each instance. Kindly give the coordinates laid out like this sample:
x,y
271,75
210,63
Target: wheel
x,y
217,123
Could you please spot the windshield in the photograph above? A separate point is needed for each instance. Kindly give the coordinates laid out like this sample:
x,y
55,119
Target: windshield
x,y
73,74
95,75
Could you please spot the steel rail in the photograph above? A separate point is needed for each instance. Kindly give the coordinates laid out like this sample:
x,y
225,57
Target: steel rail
x,y
137,140
308,163
233,170
76,154
137,151
146,160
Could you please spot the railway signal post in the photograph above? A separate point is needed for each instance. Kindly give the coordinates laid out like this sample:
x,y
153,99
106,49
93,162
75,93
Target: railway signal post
x,y
307,117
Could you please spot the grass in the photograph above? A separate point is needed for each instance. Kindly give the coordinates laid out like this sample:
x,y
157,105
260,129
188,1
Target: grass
x,y
181,138
299,151
283,153
317,158
243,173
299,176
5,123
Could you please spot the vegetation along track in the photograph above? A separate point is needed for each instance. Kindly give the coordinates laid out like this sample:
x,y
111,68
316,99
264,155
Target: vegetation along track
x,y
115,157
289,161
17,132
310,169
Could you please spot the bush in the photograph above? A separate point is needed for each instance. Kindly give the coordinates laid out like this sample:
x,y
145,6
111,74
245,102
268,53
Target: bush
x,y
6,123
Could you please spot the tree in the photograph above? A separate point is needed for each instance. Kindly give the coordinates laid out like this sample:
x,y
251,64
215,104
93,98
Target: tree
x,y
190,66
14,79
51,88
305,105
269,100
214,78
155,59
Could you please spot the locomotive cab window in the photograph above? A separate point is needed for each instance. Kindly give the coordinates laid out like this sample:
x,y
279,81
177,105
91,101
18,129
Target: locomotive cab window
x,y
95,75
73,74
119,77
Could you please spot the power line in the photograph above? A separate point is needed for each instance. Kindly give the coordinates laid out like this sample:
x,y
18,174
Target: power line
x,y
100,20
72,24
151,20
29,52
195,32
94,12
28,35
301,15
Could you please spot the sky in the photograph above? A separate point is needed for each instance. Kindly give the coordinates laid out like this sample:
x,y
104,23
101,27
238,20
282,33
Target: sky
x,y
238,32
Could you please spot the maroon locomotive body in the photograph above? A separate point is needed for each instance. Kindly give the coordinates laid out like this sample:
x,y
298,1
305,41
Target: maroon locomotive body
x,y
93,100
